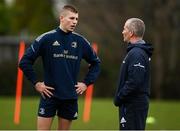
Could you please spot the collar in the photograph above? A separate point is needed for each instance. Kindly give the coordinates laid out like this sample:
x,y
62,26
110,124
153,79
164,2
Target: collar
x,y
62,32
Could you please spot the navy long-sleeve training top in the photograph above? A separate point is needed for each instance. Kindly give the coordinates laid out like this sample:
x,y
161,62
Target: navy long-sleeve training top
x,y
134,77
61,55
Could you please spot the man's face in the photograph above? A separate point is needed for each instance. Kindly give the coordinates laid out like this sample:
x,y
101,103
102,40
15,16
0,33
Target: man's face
x,y
126,33
69,21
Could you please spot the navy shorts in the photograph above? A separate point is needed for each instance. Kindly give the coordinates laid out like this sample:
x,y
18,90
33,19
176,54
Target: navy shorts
x,y
67,109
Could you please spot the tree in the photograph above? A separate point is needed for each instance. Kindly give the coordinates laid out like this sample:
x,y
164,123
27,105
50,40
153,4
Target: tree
x,y
5,19
32,16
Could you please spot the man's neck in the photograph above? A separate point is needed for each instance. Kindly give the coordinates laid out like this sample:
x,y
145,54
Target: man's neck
x,y
63,29
134,40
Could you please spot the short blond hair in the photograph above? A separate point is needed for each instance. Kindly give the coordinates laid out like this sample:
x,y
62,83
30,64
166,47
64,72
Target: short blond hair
x,y
70,8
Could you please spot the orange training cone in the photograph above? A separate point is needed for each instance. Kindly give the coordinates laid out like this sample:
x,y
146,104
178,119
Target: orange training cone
x,y
88,96
19,86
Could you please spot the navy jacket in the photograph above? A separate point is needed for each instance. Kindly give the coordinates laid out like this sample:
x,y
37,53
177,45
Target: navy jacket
x,y
134,80
61,55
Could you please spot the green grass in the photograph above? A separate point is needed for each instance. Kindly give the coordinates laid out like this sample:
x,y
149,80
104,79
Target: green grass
x,y
103,115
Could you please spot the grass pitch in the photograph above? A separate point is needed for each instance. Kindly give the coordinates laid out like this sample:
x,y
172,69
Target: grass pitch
x,y
163,115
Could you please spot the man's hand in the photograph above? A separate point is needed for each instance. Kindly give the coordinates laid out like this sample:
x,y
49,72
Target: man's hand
x,y
81,87
43,89
117,101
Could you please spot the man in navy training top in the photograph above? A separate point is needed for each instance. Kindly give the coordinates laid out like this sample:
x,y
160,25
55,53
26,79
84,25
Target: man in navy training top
x,y
61,51
132,95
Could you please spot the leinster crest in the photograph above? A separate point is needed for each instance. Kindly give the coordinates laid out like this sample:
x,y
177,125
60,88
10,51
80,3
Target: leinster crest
x,y
74,44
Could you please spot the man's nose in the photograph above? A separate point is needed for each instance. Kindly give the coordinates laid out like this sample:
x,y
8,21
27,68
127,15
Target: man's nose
x,y
123,32
75,22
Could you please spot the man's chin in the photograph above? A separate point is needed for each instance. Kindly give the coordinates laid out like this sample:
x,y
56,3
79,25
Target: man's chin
x,y
126,41
70,30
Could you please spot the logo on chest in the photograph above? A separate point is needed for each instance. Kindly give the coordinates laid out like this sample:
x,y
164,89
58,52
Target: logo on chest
x,y
74,44
56,43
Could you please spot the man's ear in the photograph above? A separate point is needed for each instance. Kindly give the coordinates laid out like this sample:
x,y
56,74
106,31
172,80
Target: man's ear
x,y
60,17
131,33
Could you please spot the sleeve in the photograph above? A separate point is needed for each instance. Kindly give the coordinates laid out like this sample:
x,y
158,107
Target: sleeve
x,y
94,63
27,61
134,80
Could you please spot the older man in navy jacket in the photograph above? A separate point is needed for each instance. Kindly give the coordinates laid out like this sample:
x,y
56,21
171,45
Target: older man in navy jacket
x,y
132,95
